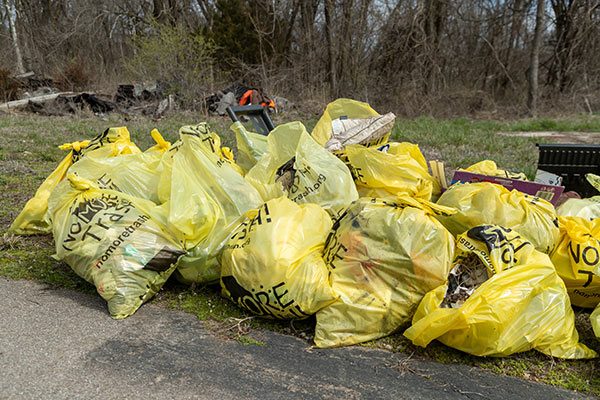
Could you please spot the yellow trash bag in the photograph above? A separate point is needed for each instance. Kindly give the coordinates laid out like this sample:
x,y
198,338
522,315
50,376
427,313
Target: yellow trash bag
x,y
160,146
203,197
383,257
391,170
295,165
595,320
33,218
134,174
489,167
594,180
250,146
585,208
212,142
485,203
502,297
272,264
577,257
348,121
112,240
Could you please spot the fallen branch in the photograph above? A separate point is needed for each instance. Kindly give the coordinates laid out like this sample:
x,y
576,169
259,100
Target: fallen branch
x,y
37,99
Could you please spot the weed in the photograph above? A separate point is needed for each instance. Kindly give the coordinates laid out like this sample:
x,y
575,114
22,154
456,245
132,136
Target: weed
x,y
205,303
74,76
249,341
9,87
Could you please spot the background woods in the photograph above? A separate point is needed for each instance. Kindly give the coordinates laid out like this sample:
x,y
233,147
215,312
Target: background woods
x,y
415,56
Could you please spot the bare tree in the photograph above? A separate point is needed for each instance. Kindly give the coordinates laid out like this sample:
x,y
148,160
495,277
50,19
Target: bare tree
x,y
419,56
434,22
331,57
9,5
207,10
574,26
534,64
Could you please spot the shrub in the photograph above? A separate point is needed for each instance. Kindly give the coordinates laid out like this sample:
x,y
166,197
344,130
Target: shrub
x,y
9,87
180,60
74,76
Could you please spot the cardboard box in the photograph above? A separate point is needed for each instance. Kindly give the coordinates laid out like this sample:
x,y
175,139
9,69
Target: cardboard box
x,y
550,193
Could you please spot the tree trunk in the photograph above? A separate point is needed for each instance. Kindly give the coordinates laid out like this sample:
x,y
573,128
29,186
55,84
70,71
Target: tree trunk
x,y
207,12
433,27
309,41
515,28
288,36
166,11
333,87
534,63
344,43
12,22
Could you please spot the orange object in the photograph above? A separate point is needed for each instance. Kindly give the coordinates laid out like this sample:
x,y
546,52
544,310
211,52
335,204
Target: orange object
x,y
247,97
253,96
270,103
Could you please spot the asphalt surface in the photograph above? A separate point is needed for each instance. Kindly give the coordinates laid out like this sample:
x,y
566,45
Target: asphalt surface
x,y
60,344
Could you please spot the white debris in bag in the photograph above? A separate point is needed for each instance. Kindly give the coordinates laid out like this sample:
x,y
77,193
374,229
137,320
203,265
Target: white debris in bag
x,y
464,278
359,131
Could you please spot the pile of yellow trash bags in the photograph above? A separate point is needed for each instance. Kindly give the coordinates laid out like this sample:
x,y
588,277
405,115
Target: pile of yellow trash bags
x,y
339,223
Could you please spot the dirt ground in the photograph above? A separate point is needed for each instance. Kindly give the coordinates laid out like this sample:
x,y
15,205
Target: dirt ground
x,y
558,137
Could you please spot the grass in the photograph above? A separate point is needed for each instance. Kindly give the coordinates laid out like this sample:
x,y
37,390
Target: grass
x,y
28,154
462,142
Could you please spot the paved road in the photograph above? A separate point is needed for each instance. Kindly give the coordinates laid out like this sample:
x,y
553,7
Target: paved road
x,y
59,344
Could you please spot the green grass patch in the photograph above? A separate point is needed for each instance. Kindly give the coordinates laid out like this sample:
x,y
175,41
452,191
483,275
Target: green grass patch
x,y
31,258
247,340
583,123
461,142
204,302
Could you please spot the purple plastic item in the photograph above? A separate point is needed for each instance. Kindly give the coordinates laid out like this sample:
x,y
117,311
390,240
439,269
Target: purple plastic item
x,y
546,192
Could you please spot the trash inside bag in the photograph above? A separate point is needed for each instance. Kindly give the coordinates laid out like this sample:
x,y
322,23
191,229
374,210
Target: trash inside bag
x,y
250,146
374,130
203,197
272,264
577,258
134,174
346,122
33,219
585,208
295,165
489,167
391,170
518,302
485,203
113,241
383,257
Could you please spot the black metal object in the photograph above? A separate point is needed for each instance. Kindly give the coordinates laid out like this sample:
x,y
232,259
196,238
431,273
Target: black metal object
x,y
572,162
258,115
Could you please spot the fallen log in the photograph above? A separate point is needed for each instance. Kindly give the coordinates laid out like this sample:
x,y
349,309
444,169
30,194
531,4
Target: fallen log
x,y
38,99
